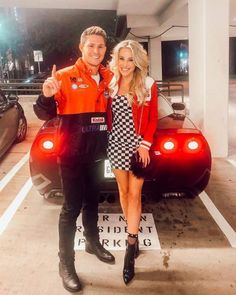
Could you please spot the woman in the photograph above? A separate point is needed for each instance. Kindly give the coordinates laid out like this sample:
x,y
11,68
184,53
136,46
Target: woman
x,y
132,120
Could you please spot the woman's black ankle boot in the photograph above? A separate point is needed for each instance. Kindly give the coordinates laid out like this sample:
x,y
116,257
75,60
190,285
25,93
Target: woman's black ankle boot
x,y
128,270
136,254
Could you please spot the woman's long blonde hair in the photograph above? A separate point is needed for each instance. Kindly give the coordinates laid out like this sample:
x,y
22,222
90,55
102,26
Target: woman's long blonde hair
x,y
140,58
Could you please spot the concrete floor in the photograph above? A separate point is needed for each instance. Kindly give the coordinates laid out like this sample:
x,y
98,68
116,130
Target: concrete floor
x,y
197,254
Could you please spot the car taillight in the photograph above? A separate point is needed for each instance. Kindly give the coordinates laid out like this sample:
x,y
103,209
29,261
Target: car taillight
x,y
168,145
193,145
47,144
185,144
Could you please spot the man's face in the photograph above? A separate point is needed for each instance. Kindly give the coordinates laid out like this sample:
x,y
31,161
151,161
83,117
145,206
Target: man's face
x,y
93,50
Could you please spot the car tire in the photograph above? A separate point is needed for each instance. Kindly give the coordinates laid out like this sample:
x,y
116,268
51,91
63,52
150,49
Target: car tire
x,y
202,184
53,198
22,129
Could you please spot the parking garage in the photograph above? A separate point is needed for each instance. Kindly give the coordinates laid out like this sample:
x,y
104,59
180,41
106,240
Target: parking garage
x,y
188,245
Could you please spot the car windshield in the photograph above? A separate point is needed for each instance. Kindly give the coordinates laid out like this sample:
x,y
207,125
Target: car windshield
x,y
176,121
168,119
164,107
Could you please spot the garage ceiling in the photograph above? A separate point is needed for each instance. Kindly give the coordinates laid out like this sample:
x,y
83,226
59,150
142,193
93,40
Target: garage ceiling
x,y
144,17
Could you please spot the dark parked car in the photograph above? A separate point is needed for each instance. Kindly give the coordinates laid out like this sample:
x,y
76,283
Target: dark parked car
x,y
37,78
181,158
13,124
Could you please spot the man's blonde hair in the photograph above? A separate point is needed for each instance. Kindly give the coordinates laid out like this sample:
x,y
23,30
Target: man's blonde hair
x,y
94,30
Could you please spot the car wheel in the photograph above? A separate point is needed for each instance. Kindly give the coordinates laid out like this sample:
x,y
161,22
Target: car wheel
x,y
22,129
54,198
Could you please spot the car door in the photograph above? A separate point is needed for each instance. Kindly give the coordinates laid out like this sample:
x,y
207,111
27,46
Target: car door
x,y
9,118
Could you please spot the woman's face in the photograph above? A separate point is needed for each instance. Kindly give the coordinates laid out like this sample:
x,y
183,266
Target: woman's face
x,y
126,64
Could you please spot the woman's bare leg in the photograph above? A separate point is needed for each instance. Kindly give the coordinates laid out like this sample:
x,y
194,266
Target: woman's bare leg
x,y
134,203
122,178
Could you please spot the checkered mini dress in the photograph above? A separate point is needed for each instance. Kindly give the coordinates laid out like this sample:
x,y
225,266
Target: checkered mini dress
x,y
123,140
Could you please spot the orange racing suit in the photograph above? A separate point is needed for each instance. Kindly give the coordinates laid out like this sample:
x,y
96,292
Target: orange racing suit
x,y
81,107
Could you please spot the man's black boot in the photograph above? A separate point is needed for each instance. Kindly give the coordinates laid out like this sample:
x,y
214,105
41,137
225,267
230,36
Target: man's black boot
x,y
69,276
95,247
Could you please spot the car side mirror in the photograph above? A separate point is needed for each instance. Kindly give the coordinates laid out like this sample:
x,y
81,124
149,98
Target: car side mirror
x,y
178,106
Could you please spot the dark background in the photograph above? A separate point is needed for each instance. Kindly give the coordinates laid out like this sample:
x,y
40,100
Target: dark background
x,y
173,55
56,33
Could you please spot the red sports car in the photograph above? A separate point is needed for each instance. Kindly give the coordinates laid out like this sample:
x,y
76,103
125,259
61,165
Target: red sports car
x,y
181,158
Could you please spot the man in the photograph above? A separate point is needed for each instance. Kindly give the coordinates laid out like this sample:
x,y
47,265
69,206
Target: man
x,y
80,95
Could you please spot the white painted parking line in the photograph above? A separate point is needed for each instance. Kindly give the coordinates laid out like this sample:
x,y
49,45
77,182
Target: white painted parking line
x,y
13,171
15,204
233,162
219,219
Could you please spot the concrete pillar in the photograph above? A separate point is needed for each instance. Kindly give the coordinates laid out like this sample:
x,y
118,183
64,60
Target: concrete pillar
x,y
209,70
155,60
